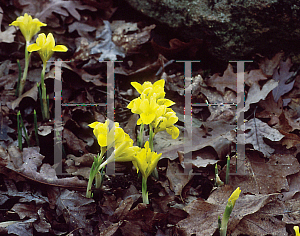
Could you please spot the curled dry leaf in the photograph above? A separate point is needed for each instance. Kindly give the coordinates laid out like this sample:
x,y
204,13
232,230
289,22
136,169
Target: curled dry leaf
x,y
255,94
33,169
177,178
32,93
256,131
282,74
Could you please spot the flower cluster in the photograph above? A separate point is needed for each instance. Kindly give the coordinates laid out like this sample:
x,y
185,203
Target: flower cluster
x,y
153,108
109,134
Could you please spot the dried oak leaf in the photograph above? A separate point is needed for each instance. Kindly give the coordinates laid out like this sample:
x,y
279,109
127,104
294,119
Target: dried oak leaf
x,y
272,110
128,36
268,66
227,80
6,36
254,76
82,28
256,131
265,177
35,212
255,94
281,75
75,145
216,137
106,47
33,169
24,196
75,208
178,180
203,215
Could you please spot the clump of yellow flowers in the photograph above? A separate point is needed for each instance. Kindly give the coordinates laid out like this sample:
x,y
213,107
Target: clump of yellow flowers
x,y
154,111
45,47
29,27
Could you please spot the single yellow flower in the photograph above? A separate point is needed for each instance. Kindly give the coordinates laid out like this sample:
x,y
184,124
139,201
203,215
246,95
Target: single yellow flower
x,y
296,228
234,196
28,26
135,105
146,160
165,120
46,47
109,134
149,89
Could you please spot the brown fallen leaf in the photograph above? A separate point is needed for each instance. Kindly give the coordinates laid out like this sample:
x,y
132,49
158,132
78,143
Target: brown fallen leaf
x,y
254,76
268,66
75,145
32,93
33,168
178,180
6,36
256,131
227,80
281,75
265,177
217,139
203,215
255,94
272,110
75,208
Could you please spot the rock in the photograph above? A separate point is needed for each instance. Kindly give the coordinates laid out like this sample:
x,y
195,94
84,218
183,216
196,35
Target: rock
x,y
236,29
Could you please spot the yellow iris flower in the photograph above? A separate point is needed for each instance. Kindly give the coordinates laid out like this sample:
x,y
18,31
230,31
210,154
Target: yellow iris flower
x,y
149,89
166,122
46,47
28,26
234,196
146,160
109,133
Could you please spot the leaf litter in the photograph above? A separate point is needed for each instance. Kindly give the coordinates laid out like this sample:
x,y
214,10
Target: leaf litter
x,y
179,204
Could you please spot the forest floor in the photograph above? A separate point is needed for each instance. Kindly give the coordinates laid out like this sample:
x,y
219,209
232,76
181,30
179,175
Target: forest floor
x,y
41,194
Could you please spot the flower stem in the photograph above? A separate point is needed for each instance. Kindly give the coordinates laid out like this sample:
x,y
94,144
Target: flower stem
x,y
144,191
23,80
94,173
151,136
225,219
44,95
36,128
227,170
19,79
140,139
19,131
